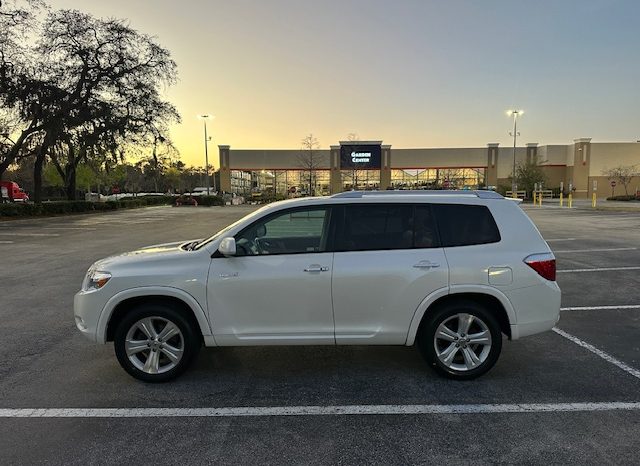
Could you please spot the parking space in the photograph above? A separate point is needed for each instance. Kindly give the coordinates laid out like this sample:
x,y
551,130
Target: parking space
x,y
599,273
549,398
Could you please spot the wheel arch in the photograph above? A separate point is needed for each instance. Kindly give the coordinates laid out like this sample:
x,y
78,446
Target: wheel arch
x,y
122,302
487,296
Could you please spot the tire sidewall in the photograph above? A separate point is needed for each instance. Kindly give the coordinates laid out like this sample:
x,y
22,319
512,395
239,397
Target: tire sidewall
x,y
430,325
192,341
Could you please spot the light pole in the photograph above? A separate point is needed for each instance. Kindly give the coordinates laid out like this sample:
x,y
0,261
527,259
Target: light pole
x,y
515,114
206,151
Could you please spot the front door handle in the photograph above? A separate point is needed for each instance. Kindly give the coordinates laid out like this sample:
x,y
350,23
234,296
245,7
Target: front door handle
x,y
316,268
426,265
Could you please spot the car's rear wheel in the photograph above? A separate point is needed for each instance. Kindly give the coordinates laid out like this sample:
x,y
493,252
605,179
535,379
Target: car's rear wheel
x,y
460,340
155,342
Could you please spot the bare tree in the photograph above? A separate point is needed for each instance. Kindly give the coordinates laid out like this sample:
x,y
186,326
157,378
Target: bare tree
x,y
278,175
354,174
310,160
623,174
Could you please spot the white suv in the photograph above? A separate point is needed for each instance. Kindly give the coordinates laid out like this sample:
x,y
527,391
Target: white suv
x,y
449,271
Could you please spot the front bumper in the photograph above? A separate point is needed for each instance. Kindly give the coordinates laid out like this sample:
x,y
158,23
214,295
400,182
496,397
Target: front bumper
x,y
87,307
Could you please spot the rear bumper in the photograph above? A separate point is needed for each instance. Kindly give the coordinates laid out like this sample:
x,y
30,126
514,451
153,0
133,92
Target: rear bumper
x,y
537,309
524,330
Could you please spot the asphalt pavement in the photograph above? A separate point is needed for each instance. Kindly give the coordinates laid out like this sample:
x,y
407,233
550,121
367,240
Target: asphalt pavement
x,y
559,397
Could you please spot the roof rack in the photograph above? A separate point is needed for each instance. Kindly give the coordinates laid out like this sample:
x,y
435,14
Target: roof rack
x,y
468,193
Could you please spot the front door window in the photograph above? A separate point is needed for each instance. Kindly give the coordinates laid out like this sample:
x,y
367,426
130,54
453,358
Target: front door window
x,y
293,232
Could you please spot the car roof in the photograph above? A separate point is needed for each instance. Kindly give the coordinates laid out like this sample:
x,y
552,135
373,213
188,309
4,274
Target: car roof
x,y
481,194
446,196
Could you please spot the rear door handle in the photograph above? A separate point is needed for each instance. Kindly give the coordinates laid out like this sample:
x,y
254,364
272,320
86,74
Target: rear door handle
x,y
426,265
316,268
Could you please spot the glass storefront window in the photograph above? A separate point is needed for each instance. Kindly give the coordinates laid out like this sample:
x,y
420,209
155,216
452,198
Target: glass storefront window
x,y
291,183
438,178
280,182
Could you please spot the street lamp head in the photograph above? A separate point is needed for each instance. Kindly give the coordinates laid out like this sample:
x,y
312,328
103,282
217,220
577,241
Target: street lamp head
x,y
205,116
515,113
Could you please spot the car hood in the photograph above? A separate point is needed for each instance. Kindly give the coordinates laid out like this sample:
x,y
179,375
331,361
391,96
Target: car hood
x,y
164,251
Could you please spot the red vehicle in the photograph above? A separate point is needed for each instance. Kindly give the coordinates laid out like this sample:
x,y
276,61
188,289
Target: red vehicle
x,y
11,192
186,200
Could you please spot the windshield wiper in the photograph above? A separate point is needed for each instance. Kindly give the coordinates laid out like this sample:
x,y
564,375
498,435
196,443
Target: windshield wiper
x,y
190,246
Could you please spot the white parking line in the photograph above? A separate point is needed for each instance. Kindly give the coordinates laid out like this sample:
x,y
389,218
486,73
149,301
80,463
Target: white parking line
x,y
606,356
345,410
599,269
594,250
560,239
69,228
29,234
600,308
78,224
6,242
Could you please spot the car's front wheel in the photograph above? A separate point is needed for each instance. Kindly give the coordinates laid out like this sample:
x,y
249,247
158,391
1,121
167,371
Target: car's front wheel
x,y
155,342
460,340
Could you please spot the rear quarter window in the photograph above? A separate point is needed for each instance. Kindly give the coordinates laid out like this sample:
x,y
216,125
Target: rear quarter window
x,y
465,225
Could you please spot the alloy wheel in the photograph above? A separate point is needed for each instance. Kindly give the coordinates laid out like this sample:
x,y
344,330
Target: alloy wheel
x,y
462,342
154,345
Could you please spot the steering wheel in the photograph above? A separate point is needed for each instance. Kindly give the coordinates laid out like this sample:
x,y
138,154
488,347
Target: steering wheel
x,y
244,246
248,247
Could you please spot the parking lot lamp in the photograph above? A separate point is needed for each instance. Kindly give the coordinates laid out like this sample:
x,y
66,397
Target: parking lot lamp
x,y
204,118
515,114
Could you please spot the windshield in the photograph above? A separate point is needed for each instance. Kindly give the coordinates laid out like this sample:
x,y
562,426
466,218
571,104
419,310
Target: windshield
x,y
222,232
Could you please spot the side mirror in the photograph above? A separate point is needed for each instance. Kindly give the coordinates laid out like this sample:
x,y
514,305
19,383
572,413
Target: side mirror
x,y
227,247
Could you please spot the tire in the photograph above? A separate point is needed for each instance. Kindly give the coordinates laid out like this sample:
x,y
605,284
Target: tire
x,y
458,362
150,359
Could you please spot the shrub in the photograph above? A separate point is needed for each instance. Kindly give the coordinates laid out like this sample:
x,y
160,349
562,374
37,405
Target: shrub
x,y
630,197
151,200
68,207
503,188
209,201
266,199
131,203
11,210
105,206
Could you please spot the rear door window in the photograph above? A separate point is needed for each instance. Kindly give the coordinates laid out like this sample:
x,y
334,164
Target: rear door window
x,y
465,225
368,227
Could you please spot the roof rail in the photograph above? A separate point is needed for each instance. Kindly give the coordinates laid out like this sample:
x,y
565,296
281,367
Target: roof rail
x,y
477,193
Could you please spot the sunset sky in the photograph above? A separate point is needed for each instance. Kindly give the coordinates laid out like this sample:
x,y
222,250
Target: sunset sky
x,y
412,73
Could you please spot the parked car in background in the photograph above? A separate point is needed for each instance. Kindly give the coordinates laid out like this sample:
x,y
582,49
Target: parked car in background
x,y
11,192
451,271
186,201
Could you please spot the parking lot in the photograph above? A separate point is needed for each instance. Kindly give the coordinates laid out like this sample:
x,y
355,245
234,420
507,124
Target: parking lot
x,y
572,395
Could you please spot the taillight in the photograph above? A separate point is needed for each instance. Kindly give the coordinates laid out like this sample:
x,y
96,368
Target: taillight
x,y
544,264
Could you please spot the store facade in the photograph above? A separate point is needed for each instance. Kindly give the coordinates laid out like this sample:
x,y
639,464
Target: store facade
x,y
373,165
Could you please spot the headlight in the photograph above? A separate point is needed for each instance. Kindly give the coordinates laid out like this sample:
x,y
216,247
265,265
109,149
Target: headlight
x,y
95,280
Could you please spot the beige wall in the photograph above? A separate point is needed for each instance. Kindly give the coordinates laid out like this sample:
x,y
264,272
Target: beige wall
x,y
581,163
439,158
505,160
608,155
552,155
604,186
247,159
569,154
554,175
